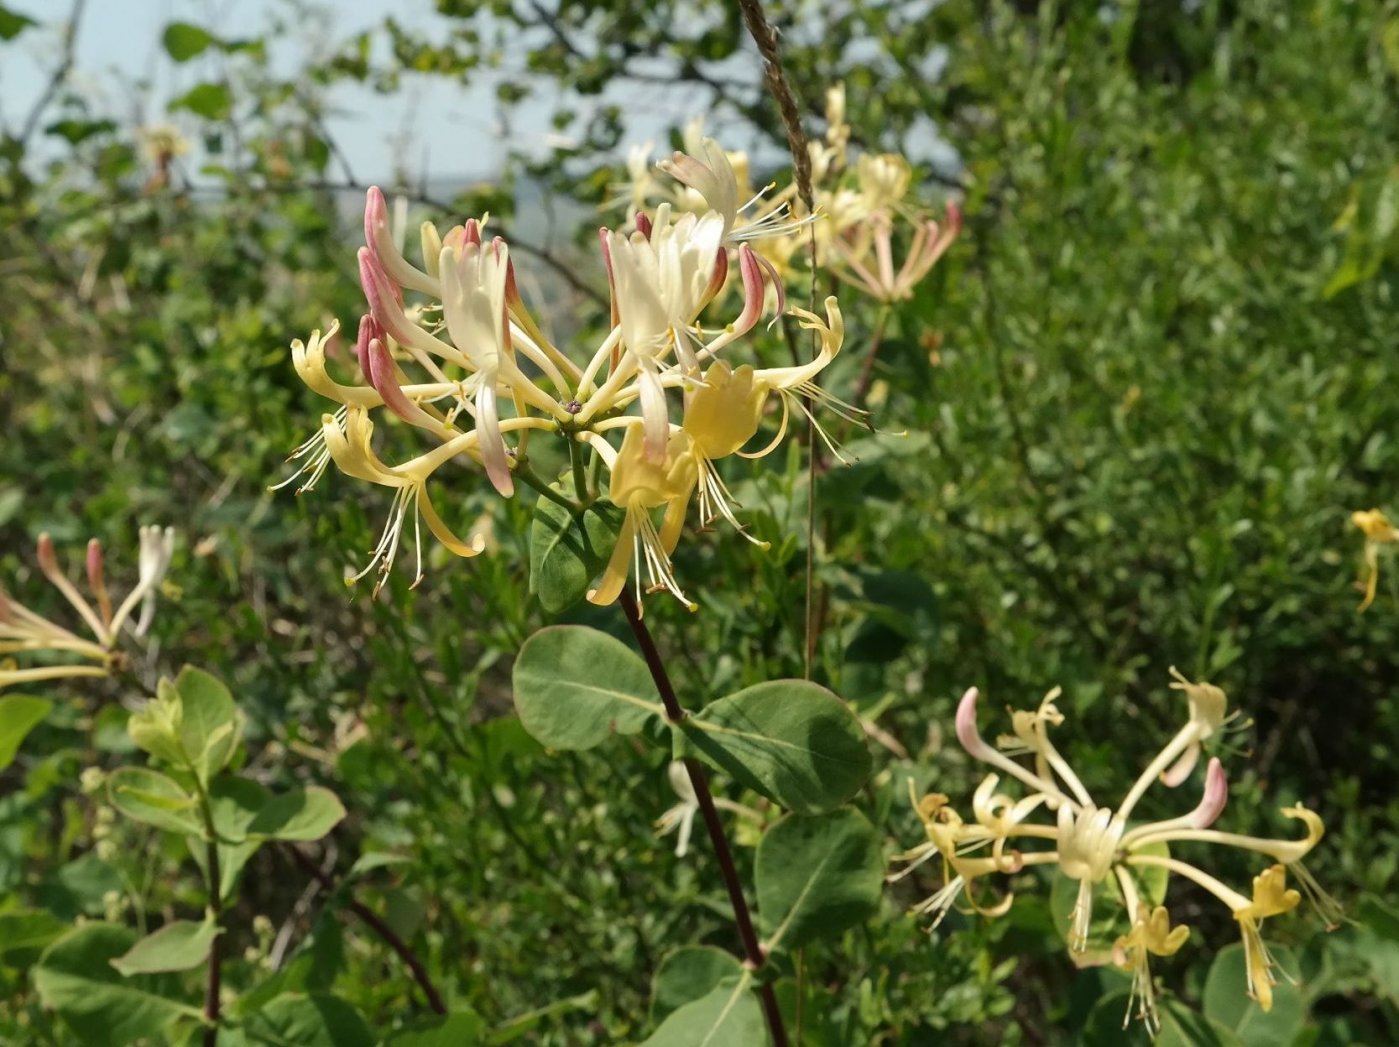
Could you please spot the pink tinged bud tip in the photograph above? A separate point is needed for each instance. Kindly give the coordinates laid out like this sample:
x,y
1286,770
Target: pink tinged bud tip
x,y
94,564
954,217
643,224
376,215
754,290
471,233
384,297
43,550
967,733
369,329
385,382
1216,796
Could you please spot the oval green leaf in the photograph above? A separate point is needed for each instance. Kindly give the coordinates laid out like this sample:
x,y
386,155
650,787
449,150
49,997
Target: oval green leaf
x,y
817,876
687,974
155,799
19,714
575,687
76,978
302,814
210,724
791,740
183,41
308,1020
1226,1000
567,550
180,945
1180,1026
727,1016
461,1029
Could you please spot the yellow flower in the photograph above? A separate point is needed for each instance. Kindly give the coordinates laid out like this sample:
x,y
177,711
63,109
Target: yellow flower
x,y
1151,935
1271,897
1378,531
639,485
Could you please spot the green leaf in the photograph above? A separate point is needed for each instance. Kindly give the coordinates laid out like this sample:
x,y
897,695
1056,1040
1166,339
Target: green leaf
x,y
687,974
154,798
155,726
19,714
183,41
727,1016
302,814
23,934
12,23
314,1020
1226,1000
791,740
210,723
566,551
211,101
817,876
575,687
76,978
463,1029
1180,1026
180,945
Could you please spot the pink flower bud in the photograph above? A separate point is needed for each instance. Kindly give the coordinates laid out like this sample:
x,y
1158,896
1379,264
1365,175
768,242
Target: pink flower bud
x,y
94,565
1216,796
967,733
643,224
48,561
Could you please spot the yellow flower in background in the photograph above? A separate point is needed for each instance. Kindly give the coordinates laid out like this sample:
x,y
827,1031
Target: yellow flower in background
x,y
1378,532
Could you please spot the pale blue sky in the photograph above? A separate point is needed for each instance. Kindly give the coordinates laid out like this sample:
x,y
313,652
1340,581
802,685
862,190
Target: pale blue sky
x,y
432,126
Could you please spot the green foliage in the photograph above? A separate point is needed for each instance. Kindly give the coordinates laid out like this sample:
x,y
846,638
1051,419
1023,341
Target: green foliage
x,y
180,945
729,1013
817,876
567,550
19,714
792,741
688,974
1141,394
78,978
575,687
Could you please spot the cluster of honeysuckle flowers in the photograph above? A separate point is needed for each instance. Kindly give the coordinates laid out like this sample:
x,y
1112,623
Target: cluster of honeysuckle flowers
x,y
450,349
1102,849
861,209
61,652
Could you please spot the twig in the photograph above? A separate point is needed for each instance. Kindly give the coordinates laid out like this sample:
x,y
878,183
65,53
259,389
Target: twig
x,y
60,73
378,926
765,36
214,988
675,713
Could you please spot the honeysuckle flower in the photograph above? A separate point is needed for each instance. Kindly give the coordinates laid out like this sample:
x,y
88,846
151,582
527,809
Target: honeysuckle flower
x,y
1094,844
711,175
1151,935
1378,532
884,179
680,819
639,485
880,280
350,448
448,348
23,631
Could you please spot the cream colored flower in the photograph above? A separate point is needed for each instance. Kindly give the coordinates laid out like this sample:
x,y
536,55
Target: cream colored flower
x,y
23,632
